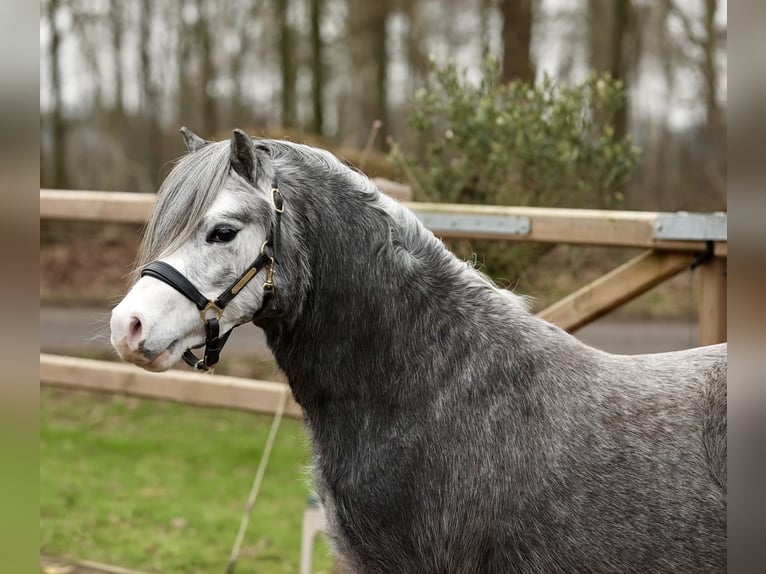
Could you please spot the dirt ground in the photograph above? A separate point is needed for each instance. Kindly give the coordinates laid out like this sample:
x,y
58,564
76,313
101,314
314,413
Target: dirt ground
x,y
82,263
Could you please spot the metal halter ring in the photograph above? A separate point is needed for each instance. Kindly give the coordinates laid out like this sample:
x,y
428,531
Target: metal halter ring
x,y
211,306
274,193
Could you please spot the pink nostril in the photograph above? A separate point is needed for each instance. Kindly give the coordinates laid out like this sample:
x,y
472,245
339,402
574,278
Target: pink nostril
x,y
135,331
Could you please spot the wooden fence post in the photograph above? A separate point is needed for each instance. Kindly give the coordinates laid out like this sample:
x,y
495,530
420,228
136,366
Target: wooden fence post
x,y
712,302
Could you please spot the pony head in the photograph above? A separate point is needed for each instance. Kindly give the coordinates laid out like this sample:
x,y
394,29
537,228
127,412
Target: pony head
x,y
213,215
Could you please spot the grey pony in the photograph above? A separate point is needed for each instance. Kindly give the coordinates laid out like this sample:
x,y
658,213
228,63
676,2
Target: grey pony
x,y
452,430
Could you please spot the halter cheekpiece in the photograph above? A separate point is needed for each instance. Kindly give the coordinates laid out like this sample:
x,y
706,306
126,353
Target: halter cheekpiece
x,y
211,310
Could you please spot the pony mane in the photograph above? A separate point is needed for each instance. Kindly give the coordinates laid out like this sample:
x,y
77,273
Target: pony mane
x,y
193,184
195,181
182,200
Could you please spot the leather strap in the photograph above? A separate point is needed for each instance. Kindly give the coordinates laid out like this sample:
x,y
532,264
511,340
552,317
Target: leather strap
x,y
168,274
213,347
239,283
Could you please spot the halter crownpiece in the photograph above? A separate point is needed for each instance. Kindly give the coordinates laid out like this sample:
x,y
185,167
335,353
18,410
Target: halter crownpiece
x,y
211,310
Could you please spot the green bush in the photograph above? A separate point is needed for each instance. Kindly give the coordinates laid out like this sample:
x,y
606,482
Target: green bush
x,y
514,144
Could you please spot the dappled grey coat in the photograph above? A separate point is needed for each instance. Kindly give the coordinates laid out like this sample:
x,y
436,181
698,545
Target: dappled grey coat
x,y
453,431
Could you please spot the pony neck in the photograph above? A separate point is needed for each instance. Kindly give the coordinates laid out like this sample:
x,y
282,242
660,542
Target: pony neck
x,y
385,299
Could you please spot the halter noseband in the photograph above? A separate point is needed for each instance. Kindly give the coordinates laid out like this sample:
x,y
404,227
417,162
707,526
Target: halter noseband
x,y
211,309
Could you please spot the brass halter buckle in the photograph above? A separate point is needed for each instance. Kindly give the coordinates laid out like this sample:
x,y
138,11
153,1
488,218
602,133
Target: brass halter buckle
x,y
269,283
270,270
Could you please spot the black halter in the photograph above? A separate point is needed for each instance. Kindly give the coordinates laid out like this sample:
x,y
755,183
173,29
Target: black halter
x,y
211,309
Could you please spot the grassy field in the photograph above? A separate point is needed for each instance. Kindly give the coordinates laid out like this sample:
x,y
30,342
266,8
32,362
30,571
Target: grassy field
x,y
160,487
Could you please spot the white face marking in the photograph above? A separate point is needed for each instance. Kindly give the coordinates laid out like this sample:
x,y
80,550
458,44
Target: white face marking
x,y
154,324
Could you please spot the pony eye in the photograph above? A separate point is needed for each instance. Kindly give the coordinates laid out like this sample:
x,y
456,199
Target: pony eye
x,y
222,234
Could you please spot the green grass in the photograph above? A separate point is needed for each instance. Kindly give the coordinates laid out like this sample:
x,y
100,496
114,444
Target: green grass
x,y
160,487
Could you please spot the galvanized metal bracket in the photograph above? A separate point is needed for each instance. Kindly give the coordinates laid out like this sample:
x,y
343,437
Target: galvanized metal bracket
x,y
684,226
480,224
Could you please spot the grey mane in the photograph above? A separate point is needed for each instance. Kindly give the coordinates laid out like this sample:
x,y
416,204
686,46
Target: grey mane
x,y
183,199
197,178
193,184
302,166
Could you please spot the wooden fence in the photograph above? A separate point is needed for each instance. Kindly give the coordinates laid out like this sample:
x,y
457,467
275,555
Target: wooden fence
x,y
672,242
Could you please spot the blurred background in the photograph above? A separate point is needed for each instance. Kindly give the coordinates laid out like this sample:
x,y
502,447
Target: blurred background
x,y
599,103
117,79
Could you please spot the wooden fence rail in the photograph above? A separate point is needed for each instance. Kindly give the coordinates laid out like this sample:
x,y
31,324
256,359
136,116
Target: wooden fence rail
x,y
179,386
536,224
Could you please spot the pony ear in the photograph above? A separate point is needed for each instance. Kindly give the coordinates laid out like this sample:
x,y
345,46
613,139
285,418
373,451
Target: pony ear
x,y
193,141
243,155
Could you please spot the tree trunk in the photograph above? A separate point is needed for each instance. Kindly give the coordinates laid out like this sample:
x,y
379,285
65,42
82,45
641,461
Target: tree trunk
x,y
368,34
287,61
149,99
716,168
244,23
184,52
609,24
317,67
379,105
416,58
485,8
144,71
115,14
517,37
209,108
709,70
59,175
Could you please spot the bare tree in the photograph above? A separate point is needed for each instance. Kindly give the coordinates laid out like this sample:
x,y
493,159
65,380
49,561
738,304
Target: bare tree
x,y
317,66
485,11
709,68
243,17
207,71
117,23
609,23
183,57
706,44
517,37
59,176
149,95
288,64
416,57
145,59
86,26
703,39
367,27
